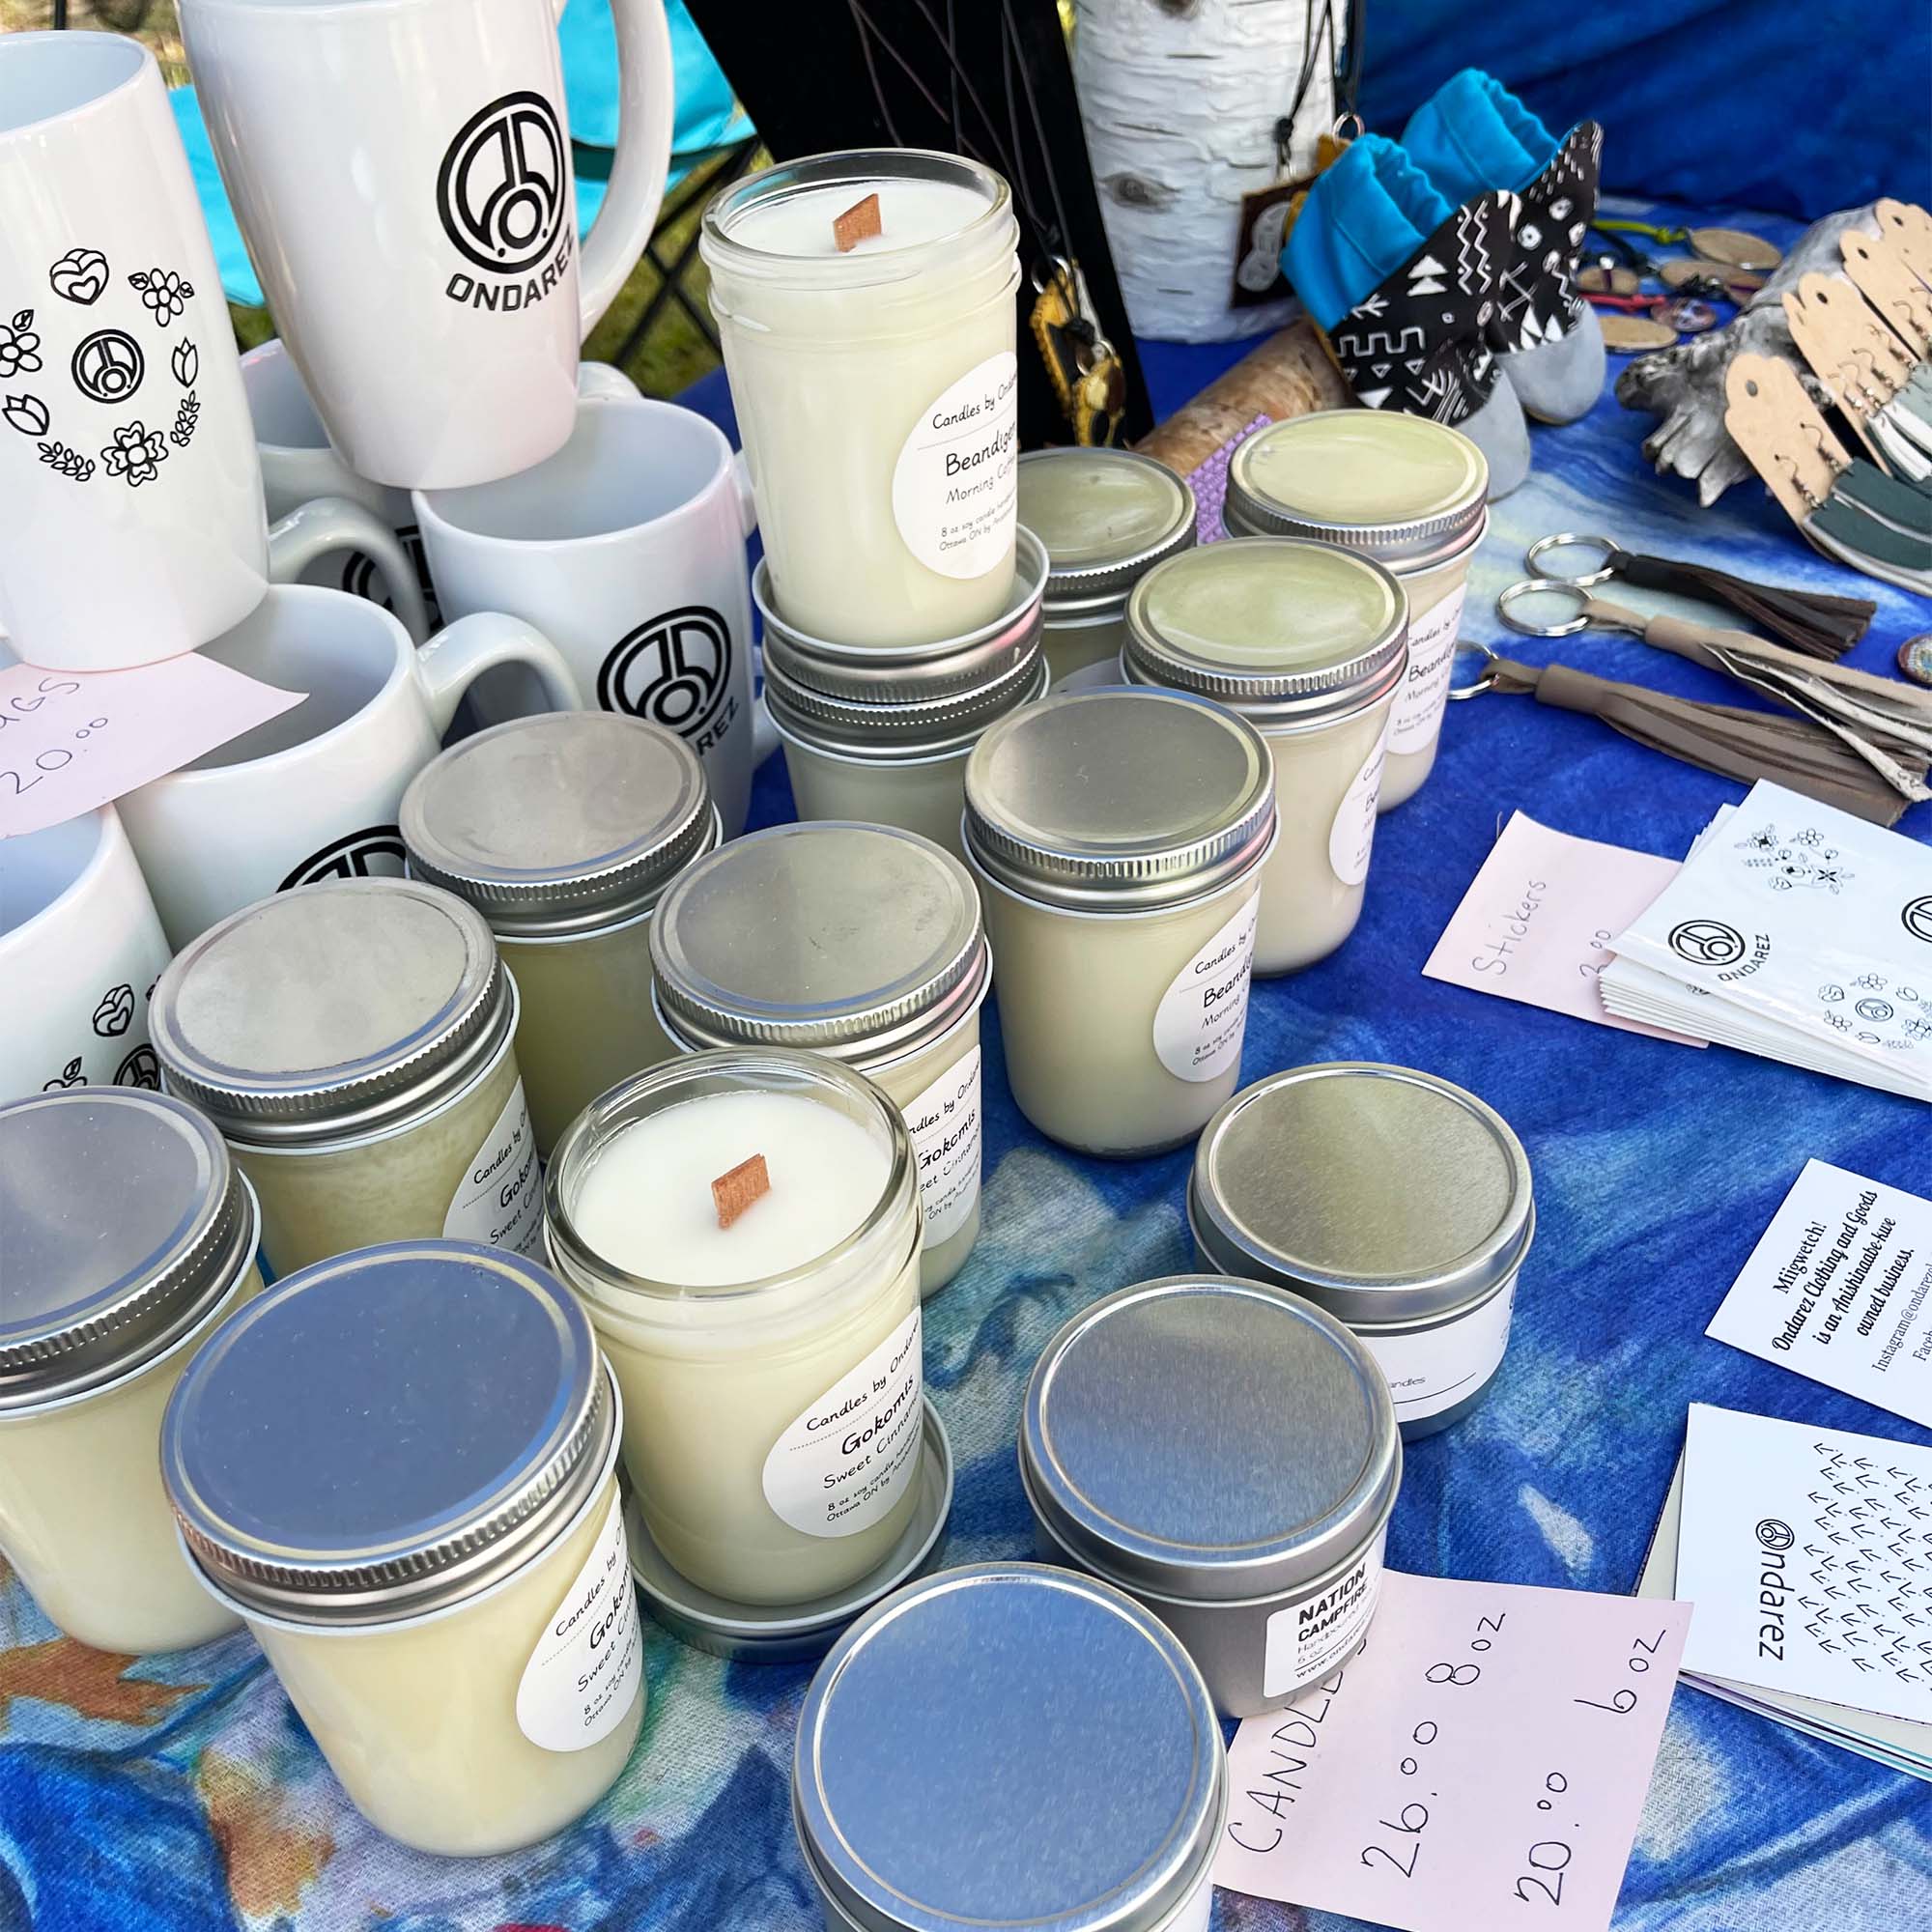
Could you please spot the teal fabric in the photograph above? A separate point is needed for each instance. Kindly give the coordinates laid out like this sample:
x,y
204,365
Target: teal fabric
x,y
1473,134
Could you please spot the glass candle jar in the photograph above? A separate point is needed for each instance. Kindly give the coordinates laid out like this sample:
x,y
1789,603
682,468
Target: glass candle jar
x,y
1294,1184
400,1469
1106,516
1307,644
354,1041
562,830
1406,492
1118,838
860,942
875,387
1228,1454
126,1235
770,1359
1083,1783
882,734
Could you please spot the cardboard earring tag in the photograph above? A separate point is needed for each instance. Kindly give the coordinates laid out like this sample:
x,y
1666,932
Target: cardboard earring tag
x,y
1909,229
1903,301
1850,351
1777,426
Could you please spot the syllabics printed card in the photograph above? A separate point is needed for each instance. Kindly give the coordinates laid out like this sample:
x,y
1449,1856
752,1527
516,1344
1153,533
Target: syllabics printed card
x,y
1487,1753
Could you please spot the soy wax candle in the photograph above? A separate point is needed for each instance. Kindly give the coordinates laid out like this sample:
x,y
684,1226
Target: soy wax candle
x,y
399,1468
1118,836
1406,492
1307,644
875,386
126,1235
744,1227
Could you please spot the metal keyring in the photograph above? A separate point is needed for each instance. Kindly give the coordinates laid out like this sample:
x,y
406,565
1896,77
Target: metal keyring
x,y
1484,679
1571,540
1560,585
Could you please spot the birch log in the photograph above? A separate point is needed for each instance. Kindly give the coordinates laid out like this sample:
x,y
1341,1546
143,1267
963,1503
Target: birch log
x,y
1179,98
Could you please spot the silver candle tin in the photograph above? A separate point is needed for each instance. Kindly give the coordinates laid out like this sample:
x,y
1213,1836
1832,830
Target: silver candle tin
x,y
1393,1199
1228,1454
1012,1746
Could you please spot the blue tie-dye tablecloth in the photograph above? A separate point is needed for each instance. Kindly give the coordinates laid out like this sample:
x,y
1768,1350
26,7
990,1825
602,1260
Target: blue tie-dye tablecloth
x,y
180,1792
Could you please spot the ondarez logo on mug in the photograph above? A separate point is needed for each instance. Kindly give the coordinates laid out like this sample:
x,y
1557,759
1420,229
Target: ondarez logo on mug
x,y
376,852
502,193
674,671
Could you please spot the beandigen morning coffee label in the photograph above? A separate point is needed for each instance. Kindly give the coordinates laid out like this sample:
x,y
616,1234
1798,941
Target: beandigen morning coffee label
x,y
1352,837
1202,1016
1419,704
944,1122
1309,1638
591,1659
955,488
499,1199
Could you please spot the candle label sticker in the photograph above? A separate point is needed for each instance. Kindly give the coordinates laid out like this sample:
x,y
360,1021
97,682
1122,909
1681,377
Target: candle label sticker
x,y
498,1199
1424,686
1440,1366
955,488
586,1670
1352,837
843,1464
944,1122
1308,1639
1203,1015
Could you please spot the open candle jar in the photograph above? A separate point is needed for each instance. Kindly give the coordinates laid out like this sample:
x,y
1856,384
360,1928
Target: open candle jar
x,y
126,1235
876,386
1307,644
766,1338
1118,838
1398,1201
860,942
562,830
355,1043
400,1469
1406,492
1228,1454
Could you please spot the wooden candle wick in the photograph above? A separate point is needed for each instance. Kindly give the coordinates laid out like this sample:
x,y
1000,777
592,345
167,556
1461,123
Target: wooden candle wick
x,y
859,224
738,1190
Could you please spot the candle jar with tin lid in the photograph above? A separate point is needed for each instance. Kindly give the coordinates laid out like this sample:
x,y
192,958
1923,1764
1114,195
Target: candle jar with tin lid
x,y
1228,1454
1083,1782
861,942
881,733
355,1043
744,1227
875,384
1396,1201
1118,838
1400,490
399,1468
126,1235
563,829
1307,644
1106,516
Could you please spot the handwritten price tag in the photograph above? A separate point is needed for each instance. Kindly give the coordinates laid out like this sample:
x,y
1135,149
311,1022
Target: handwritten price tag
x,y
1486,1753
70,740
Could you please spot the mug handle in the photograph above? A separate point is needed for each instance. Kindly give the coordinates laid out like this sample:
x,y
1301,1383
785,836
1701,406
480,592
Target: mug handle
x,y
327,523
455,658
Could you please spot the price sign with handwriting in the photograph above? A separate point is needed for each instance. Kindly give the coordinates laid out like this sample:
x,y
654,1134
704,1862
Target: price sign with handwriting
x,y
1480,1763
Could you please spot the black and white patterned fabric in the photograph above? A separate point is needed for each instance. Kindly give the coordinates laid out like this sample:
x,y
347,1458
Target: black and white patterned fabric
x,y
1537,299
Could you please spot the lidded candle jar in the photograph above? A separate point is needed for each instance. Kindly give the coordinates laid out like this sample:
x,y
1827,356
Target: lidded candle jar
x,y
876,386
1395,1200
1308,644
1106,516
355,1043
860,942
766,1338
1406,492
126,1235
563,829
399,1468
1228,1454
1081,1786
1118,838
882,733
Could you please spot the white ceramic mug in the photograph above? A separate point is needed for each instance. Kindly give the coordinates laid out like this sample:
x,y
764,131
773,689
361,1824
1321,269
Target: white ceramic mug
x,y
80,950
401,170
626,548
312,794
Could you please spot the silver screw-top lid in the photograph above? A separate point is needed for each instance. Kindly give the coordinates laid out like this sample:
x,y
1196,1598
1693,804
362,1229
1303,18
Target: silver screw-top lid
x,y
388,1432
1210,1439
565,822
331,1010
123,1222
1119,799
1383,1194
1083,1783
858,940
1106,516
1401,489
1292,633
